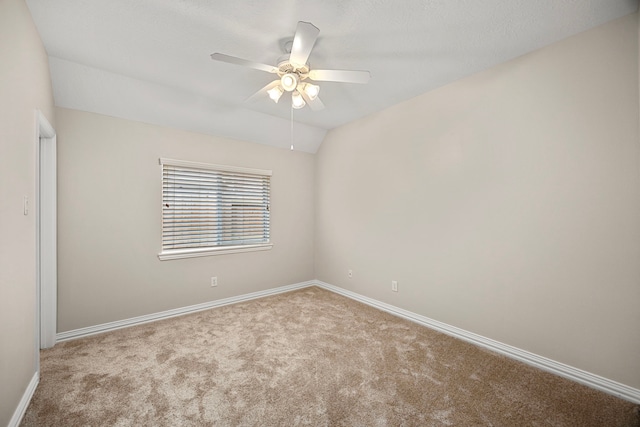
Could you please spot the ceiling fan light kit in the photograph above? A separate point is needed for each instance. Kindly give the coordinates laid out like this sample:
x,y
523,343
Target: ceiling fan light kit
x,y
311,90
294,69
296,100
275,93
289,81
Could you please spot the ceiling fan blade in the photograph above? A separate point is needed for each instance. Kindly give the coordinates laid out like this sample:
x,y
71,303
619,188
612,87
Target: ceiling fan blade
x,y
314,104
263,92
239,61
303,41
344,76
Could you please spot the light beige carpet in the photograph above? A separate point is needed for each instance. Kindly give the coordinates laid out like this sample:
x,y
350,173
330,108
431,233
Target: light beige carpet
x,y
309,357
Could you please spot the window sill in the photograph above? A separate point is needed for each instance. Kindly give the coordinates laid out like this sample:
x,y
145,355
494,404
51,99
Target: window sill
x,y
192,253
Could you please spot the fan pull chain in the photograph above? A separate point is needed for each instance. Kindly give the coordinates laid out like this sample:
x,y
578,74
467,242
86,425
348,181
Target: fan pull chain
x,y
291,125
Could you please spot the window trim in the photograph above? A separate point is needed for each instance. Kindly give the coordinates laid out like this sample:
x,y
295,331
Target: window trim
x,y
200,252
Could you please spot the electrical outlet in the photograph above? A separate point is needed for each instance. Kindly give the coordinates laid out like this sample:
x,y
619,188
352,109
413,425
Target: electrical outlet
x,y
350,273
214,281
394,286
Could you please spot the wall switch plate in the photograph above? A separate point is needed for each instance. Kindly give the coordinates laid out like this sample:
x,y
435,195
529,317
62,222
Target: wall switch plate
x,y
394,286
214,281
350,273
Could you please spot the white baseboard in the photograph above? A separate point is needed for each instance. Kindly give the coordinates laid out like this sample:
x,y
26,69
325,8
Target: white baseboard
x,y
119,324
24,402
591,380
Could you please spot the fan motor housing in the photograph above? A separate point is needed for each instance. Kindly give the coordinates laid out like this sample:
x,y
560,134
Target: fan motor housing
x,y
285,67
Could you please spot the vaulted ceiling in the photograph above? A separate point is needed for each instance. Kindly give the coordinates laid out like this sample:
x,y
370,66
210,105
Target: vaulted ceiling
x,y
148,60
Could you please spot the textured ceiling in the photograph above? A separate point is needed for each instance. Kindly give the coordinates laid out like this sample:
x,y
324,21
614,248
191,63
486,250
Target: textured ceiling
x,y
148,60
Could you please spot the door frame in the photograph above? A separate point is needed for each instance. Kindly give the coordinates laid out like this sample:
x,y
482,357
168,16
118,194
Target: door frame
x,y
46,235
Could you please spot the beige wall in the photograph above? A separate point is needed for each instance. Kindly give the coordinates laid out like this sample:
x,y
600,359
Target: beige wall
x,y
24,87
506,203
109,223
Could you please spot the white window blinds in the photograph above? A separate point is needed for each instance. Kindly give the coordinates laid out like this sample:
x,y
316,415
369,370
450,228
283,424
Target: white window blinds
x,y
208,209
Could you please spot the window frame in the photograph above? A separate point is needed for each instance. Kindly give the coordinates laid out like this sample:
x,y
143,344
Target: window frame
x,y
209,250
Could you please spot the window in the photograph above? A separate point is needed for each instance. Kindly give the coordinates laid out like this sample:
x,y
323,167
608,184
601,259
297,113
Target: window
x,y
212,209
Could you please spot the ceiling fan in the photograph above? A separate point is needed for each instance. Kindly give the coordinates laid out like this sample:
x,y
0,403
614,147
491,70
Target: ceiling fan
x,y
293,71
